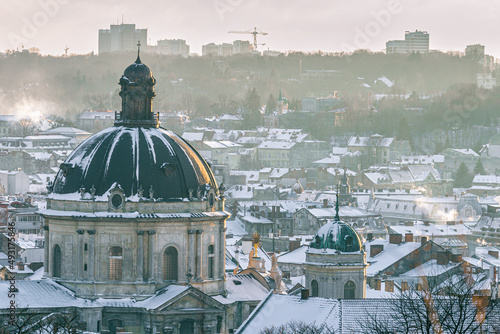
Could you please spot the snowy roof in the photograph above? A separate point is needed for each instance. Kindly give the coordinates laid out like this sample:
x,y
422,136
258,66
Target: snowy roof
x,y
68,131
373,141
297,256
48,294
432,229
420,159
339,150
466,151
386,81
242,287
486,179
235,227
377,178
278,172
276,145
391,254
430,268
332,159
277,310
214,144
193,136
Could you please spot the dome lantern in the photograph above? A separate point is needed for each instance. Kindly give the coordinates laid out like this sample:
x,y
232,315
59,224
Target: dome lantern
x,y
137,93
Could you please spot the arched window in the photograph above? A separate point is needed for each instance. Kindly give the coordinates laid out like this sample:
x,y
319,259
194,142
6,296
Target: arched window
x,y
314,288
56,269
211,261
170,266
349,290
115,263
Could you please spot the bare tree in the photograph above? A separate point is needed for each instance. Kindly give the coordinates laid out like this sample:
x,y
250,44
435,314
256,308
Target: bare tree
x,y
299,327
454,305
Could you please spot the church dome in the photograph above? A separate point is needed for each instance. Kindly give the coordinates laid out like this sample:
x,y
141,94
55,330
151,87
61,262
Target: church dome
x,y
137,71
149,162
337,235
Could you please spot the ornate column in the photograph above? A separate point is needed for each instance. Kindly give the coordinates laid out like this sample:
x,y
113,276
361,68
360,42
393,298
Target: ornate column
x,y
91,254
140,256
46,251
151,277
199,255
191,252
79,262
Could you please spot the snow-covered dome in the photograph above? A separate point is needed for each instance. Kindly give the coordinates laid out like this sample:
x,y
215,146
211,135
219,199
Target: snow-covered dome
x,y
136,155
135,158
337,235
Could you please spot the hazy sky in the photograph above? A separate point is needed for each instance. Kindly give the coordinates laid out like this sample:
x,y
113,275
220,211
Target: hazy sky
x,y
327,25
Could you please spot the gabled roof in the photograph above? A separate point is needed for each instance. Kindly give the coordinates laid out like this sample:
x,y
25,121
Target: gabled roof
x,y
243,287
277,310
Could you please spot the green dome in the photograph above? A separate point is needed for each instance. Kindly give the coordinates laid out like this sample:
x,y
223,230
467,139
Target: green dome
x,y
337,235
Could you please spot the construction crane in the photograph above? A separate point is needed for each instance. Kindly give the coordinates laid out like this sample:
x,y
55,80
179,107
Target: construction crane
x,y
253,32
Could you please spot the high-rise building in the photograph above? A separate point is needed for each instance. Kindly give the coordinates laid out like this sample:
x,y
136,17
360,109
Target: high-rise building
x,y
475,51
240,46
121,37
224,49
416,41
173,47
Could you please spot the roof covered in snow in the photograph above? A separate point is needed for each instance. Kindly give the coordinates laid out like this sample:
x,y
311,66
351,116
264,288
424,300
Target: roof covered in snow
x,y
164,165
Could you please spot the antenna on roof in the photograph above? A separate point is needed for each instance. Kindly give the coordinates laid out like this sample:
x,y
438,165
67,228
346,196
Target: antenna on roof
x,y
337,218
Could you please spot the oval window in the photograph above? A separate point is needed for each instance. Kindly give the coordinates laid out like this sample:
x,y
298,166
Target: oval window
x,y
116,200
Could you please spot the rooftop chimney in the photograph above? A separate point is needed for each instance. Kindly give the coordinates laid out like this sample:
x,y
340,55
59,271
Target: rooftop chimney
x,y
395,238
376,249
443,257
304,294
405,286
409,237
456,258
424,239
378,284
493,253
389,285
293,245
20,266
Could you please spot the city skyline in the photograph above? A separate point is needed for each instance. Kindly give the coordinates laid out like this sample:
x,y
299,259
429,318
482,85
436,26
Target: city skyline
x,y
52,24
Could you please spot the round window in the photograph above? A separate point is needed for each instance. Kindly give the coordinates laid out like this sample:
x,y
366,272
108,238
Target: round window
x,y
116,200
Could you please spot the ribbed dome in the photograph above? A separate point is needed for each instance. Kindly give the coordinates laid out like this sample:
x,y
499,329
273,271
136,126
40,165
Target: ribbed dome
x,y
137,71
338,235
136,158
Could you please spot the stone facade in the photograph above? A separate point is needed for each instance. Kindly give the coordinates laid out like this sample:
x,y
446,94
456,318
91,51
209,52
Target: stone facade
x,y
335,273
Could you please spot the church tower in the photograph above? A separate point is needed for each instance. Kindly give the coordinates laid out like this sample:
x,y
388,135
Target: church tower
x,y
336,264
135,208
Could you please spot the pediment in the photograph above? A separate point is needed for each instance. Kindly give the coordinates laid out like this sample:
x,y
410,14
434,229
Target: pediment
x,y
191,299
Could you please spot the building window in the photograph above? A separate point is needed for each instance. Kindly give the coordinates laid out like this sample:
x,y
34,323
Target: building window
x,y
56,270
170,266
187,327
115,263
349,290
115,325
211,261
314,288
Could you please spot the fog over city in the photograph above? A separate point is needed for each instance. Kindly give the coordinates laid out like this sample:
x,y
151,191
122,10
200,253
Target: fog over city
x,y
324,25
249,167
